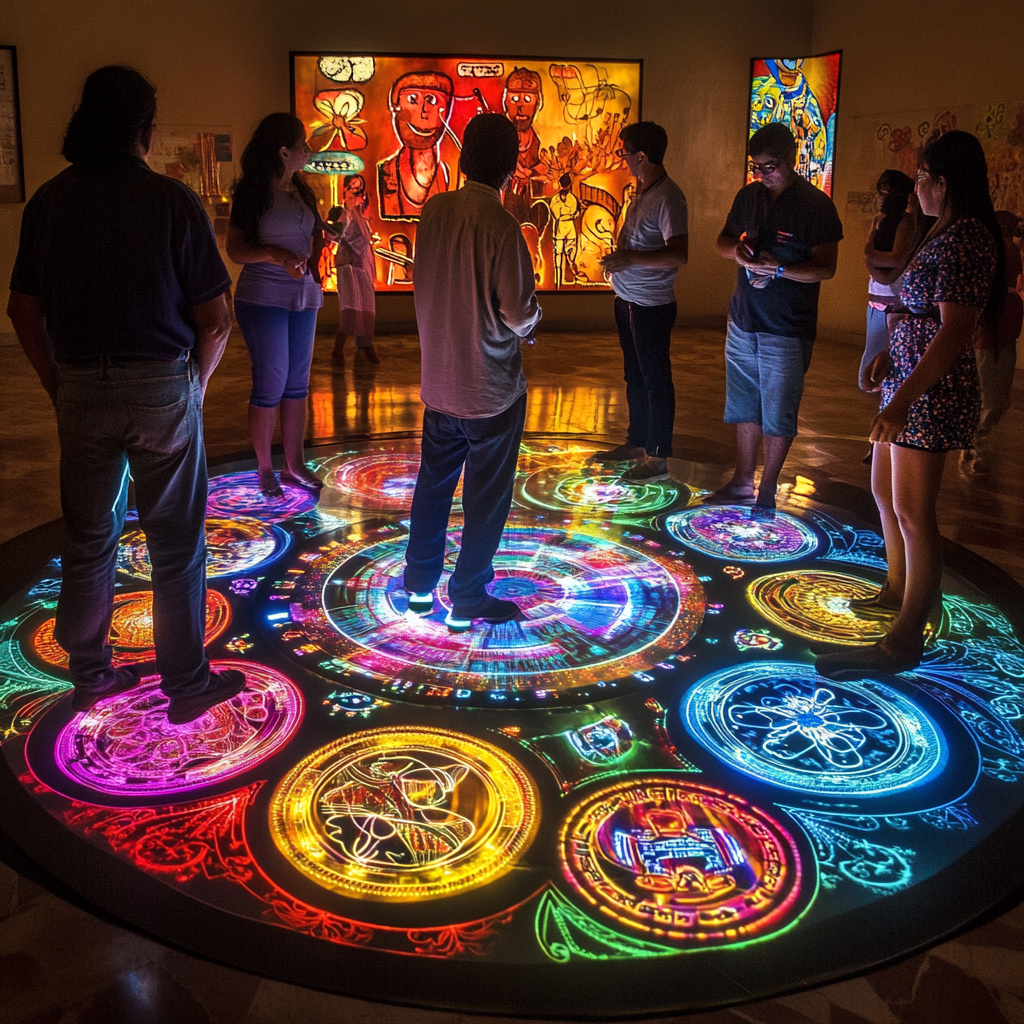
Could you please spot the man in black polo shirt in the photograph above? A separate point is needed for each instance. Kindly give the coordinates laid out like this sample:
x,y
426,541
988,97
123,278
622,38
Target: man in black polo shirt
x,y
784,233
118,298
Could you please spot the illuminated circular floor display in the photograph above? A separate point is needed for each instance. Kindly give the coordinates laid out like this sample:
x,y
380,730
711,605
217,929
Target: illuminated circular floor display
x,y
595,608
782,723
636,797
814,604
405,814
742,533
233,546
685,863
126,746
239,494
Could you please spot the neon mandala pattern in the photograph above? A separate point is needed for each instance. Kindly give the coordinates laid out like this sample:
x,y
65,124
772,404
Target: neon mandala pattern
x,y
743,534
814,604
685,863
405,814
126,747
593,611
131,629
233,546
239,494
784,724
593,492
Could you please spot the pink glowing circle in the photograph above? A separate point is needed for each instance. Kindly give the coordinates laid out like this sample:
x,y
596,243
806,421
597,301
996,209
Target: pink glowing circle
x,y
239,494
126,747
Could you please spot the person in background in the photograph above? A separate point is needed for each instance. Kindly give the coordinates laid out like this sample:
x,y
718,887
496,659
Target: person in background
x,y
930,394
356,270
475,302
119,299
651,247
273,217
995,352
784,235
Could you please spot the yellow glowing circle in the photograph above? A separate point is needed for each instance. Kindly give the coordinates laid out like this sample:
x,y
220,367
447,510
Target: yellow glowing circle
x,y
405,814
814,604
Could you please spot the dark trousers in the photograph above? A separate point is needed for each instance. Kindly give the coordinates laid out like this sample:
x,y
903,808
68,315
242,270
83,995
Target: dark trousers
x,y
645,334
489,448
146,416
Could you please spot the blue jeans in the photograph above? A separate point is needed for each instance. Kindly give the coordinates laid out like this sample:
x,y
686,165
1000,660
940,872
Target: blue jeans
x,y
645,334
280,344
489,448
876,338
146,417
764,379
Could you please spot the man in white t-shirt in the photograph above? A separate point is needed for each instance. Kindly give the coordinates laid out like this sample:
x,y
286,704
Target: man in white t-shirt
x,y
475,300
651,247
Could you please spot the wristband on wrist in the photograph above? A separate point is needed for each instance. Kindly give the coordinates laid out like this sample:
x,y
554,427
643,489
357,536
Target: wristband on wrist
x,y
780,271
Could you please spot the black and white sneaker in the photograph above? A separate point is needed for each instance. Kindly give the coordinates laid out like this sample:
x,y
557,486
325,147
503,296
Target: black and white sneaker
x,y
421,604
492,610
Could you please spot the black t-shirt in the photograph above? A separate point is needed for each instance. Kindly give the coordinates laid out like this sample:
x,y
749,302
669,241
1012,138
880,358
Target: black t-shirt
x,y
117,258
788,228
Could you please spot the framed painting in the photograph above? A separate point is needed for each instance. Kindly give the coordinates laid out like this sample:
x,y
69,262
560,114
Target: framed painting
x,y
386,131
803,93
12,167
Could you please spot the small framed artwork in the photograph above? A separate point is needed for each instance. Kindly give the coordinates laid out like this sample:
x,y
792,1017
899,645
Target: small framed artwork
x,y
12,169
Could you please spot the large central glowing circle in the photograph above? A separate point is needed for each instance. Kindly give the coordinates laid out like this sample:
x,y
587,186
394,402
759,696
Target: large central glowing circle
x,y
232,546
815,604
742,534
126,746
784,724
685,863
380,481
588,491
405,814
593,610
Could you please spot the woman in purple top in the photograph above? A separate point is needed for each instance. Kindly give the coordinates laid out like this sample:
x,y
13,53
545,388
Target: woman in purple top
x,y
273,218
930,394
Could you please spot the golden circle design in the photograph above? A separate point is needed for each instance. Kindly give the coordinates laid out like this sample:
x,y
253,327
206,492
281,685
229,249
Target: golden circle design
x,y
404,814
814,604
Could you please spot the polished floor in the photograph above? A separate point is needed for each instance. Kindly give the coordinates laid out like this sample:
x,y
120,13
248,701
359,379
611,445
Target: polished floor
x,y
61,964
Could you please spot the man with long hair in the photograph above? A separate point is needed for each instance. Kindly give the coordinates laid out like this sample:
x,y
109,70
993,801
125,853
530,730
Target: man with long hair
x,y
118,298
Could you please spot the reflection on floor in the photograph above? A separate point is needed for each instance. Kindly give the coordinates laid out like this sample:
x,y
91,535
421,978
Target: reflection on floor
x,y
58,963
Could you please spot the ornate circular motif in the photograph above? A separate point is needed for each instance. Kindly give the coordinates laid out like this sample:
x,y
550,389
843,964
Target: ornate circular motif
x,y
593,611
784,724
380,481
405,814
126,746
814,604
238,494
589,491
743,534
232,546
686,863
131,629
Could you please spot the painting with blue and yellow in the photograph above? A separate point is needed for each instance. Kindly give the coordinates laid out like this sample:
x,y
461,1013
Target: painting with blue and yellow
x,y
803,93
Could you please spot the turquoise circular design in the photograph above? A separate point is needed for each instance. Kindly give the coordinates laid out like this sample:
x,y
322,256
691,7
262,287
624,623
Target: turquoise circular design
x,y
784,724
741,533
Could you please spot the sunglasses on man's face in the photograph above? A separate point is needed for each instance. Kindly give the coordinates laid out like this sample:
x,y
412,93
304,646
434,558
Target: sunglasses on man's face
x,y
768,167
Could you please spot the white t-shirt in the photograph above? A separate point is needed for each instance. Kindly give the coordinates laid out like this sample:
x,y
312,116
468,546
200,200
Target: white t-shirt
x,y
652,218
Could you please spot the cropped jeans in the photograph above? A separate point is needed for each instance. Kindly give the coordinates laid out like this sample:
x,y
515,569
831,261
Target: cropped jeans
x,y
145,418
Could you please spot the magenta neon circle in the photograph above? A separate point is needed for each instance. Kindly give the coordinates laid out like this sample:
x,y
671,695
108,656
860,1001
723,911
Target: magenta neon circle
x,y
126,746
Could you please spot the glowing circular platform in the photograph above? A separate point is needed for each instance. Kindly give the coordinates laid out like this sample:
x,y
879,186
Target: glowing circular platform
x,y
633,793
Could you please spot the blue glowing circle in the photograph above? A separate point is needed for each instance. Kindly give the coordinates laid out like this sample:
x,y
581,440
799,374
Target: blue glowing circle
x,y
742,534
784,724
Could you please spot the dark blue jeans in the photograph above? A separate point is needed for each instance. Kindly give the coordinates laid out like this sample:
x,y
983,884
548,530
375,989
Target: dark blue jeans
x,y
489,448
146,418
645,334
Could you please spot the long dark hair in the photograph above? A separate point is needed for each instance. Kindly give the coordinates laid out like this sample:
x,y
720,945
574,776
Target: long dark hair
x,y
958,158
262,168
117,106
894,187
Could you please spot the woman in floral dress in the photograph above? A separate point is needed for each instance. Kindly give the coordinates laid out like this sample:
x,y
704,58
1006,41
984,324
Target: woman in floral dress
x,y
930,393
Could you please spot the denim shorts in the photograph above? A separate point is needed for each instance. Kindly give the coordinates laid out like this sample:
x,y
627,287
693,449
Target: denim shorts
x,y
764,379
280,343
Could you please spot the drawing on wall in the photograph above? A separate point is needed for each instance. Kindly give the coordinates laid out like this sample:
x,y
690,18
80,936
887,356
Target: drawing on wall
x,y
12,171
391,126
193,156
802,92
878,142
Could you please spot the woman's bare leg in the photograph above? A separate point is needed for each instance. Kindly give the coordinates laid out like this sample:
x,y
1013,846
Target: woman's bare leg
x,y
261,431
365,349
895,554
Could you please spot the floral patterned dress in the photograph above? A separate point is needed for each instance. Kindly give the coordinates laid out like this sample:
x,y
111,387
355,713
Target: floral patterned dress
x,y
956,267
